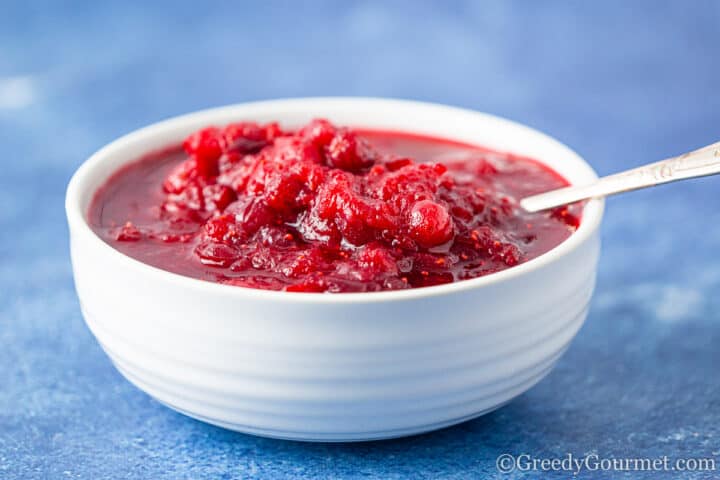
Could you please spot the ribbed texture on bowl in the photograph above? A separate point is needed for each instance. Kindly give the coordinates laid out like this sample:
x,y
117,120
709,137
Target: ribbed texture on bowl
x,y
353,372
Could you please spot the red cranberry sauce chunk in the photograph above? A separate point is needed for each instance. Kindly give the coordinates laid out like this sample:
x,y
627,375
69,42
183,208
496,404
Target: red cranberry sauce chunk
x,y
328,209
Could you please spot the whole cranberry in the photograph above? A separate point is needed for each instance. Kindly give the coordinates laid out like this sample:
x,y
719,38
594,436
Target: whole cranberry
x,y
250,213
348,152
319,132
430,224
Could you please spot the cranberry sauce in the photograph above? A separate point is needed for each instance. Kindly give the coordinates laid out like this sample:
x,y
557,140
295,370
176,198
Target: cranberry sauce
x,y
328,209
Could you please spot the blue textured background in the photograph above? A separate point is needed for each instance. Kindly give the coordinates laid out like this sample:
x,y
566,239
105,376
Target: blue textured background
x,y
624,83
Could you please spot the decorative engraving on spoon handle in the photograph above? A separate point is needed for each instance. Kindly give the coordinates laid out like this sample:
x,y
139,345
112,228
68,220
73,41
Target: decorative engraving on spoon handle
x,y
702,162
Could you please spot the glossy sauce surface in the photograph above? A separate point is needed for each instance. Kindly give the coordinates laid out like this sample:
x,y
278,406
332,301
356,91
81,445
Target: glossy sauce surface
x,y
328,209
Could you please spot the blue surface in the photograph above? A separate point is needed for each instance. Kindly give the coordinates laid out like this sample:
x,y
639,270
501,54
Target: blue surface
x,y
624,83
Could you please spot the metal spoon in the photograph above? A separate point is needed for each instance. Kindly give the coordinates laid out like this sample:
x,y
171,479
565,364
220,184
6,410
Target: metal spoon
x,y
698,163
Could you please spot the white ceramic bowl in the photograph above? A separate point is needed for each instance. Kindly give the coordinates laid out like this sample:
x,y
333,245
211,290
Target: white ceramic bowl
x,y
335,367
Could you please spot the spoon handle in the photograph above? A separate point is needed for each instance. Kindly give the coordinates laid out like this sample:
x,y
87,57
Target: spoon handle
x,y
698,163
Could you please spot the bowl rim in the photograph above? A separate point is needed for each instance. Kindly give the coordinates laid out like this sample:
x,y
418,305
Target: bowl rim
x,y
79,225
